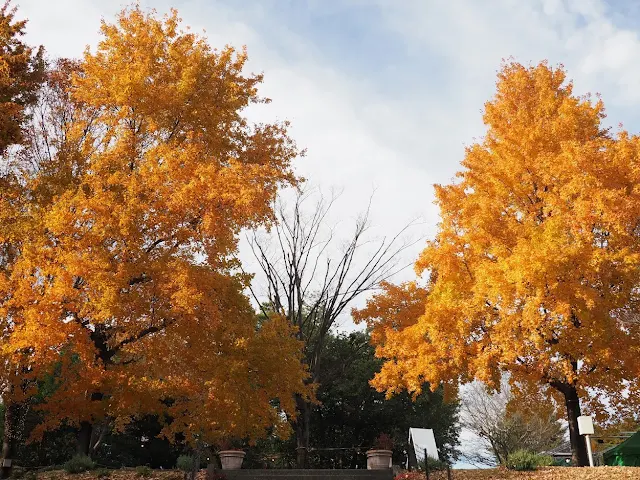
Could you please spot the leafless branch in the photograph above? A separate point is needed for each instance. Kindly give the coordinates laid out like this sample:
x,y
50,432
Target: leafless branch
x,y
309,278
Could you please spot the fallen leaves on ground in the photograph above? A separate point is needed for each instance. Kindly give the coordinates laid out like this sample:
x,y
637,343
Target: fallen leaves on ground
x,y
119,474
550,473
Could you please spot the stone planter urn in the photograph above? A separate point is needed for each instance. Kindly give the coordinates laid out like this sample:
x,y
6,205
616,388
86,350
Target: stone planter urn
x,y
379,459
231,459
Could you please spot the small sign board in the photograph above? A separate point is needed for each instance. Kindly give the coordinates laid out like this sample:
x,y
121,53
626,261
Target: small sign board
x,y
585,425
6,462
421,439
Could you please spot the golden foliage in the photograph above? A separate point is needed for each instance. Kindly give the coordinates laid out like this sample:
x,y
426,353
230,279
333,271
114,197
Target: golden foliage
x,y
124,216
21,73
535,266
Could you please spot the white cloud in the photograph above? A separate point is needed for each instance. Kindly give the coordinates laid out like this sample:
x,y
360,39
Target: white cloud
x,y
474,36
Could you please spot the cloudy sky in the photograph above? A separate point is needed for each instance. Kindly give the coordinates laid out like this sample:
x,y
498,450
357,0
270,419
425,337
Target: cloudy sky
x,y
385,94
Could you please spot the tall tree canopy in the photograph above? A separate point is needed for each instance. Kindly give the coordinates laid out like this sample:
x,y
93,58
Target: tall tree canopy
x,y
21,73
535,266
119,230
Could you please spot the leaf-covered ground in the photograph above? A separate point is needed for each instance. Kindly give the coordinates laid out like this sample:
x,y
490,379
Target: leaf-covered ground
x,y
552,473
121,474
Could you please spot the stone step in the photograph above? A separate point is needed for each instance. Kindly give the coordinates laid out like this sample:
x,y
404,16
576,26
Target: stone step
x,y
307,474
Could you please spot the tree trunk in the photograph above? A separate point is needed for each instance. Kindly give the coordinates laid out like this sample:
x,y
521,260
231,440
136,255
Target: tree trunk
x,y
11,419
86,430
302,432
84,438
579,456
496,452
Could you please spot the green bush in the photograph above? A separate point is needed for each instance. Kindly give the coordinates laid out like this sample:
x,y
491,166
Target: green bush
x,y
546,461
433,464
143,471
103,473
79,464
30,475
185,463
523,460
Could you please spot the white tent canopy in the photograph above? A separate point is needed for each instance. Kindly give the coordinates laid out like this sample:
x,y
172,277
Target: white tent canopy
x,y
421,439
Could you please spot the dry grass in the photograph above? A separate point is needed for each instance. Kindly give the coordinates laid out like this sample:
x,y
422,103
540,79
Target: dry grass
x,y
549,473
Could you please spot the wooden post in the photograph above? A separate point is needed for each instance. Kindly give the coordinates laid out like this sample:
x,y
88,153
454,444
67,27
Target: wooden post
x,y
448,471
426,464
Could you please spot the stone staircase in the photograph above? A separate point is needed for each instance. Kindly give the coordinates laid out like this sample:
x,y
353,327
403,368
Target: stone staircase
x,y
307,474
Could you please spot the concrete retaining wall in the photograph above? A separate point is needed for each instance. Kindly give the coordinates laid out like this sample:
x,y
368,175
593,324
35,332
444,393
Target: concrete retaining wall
x,y
307,474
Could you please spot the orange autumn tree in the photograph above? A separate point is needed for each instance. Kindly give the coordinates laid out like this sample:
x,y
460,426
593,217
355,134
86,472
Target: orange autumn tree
x,y
21,73
535,267
140,173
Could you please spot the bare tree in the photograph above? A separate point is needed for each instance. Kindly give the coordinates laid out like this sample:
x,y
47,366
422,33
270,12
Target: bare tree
x,y
500,427
311,280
